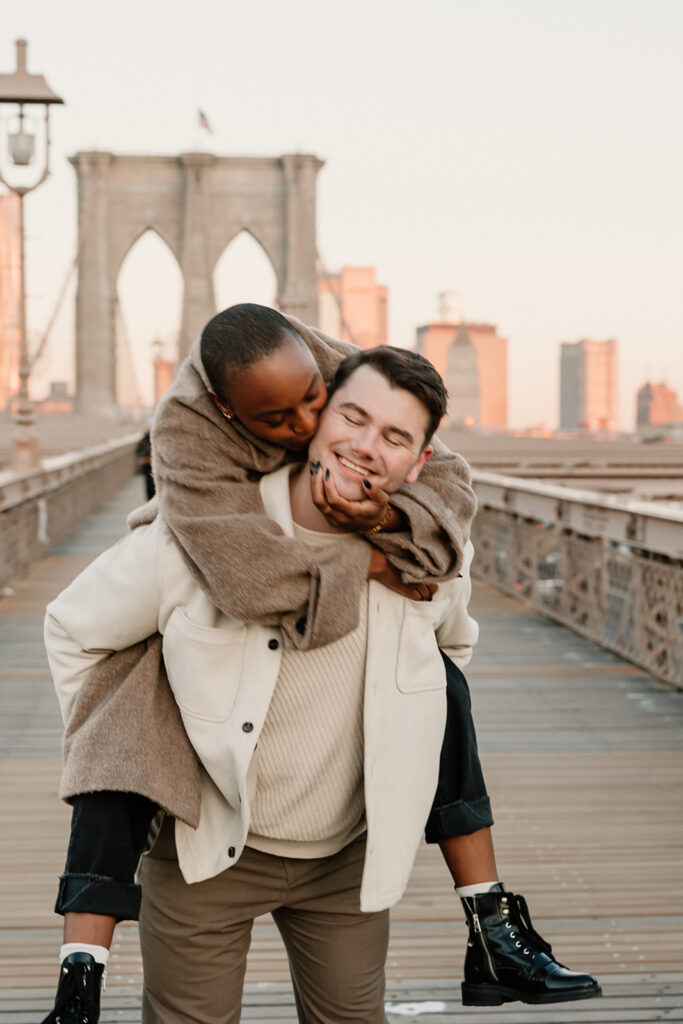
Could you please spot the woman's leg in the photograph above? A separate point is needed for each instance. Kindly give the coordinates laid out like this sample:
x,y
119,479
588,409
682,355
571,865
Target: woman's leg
x,y
506,959
460,819
108,835
109,831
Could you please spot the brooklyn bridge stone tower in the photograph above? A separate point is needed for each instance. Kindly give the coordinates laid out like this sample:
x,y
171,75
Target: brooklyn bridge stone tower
x,y
197,203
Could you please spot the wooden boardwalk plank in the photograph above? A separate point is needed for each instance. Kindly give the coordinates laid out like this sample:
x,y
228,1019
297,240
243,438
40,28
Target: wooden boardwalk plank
x,y
584,761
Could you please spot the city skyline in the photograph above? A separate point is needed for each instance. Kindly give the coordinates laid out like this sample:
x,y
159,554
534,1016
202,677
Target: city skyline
x,y
522,153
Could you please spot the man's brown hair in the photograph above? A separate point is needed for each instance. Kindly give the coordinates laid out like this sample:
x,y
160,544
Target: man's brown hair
x,y
401,368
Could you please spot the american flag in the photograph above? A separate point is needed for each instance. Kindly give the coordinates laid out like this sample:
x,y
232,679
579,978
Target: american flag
x,y
204,122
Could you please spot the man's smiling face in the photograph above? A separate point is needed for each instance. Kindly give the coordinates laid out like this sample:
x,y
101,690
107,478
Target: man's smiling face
x,y
371,431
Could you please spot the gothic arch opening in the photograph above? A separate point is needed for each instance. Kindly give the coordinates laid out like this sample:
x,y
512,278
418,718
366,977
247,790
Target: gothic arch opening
x,y
149,296
244,273
196,201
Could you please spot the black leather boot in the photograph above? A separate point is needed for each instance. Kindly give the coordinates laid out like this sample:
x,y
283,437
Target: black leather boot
x,y
507,960
78,993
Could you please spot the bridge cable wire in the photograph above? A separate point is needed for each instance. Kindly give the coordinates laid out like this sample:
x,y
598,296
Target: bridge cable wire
x,y
42,345
82,227
126,349
330,279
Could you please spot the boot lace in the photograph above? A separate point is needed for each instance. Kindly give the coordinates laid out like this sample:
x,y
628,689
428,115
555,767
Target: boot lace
x,y
74,999
530,932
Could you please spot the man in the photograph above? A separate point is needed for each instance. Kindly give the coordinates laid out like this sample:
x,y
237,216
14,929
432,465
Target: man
x,y
302,752
339,731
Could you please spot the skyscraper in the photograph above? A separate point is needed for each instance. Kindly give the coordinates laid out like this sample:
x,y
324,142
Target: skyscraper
x,y
462,381
10,297
353,307
588,385
492,364
657,404
435,340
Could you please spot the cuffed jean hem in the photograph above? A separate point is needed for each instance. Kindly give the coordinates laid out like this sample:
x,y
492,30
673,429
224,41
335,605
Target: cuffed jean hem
x,y
458,819
96,894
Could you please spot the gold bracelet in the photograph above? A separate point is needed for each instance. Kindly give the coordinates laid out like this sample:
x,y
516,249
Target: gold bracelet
x,y
386,516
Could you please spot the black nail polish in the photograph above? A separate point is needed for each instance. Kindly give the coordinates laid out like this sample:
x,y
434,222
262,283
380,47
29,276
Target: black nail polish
x,y
366,483
315,466
327,474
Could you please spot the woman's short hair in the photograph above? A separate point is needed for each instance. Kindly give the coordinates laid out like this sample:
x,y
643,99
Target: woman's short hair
x,y
238,337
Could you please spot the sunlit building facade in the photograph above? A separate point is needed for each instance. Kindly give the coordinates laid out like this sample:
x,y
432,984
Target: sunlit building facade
x,y
10,297
164,375
462,382
588,385
353,306
657,404
436,340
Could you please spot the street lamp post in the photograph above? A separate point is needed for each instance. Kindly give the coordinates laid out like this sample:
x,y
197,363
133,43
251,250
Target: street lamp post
x,y
22,89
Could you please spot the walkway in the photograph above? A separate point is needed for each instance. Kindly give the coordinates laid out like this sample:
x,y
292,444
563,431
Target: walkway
x,y
584,759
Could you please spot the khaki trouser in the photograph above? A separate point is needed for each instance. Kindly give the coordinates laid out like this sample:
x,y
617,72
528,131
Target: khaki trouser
x,y
195,938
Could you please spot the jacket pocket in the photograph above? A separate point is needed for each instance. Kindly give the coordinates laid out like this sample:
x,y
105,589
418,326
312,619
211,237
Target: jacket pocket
x,y
419,666
204,665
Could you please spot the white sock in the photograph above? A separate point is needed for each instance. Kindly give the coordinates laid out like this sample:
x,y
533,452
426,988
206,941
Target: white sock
x,y
99,953
477,889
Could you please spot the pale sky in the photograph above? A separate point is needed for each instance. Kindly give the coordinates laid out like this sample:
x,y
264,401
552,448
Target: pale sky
x,y
527,154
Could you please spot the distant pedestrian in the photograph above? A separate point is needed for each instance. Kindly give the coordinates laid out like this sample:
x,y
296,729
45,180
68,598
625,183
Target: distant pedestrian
x,y
144,454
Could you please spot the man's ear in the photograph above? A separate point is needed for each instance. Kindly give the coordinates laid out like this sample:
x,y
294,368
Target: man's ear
x,y
414,473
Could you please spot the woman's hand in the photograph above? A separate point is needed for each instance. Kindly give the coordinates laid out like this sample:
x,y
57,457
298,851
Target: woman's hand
x,y
350,515
384,572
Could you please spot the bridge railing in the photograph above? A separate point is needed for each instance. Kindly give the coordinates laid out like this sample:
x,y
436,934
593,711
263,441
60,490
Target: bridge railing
x,y
608,567
38,509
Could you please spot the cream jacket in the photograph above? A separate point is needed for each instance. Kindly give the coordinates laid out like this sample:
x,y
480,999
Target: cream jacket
x,y
223,673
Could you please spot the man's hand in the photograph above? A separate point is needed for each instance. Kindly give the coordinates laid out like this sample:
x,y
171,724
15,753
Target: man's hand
x,y
384,572
349,515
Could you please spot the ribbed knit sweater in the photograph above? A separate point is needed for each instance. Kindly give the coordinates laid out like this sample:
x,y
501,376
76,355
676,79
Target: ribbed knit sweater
x,y
309,799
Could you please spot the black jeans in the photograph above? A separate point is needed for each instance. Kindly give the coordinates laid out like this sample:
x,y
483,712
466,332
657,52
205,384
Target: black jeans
x,y
461,804
108,836
109,830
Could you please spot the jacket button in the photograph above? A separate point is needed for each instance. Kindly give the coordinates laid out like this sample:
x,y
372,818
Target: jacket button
x,y
273,644
231,851
247,727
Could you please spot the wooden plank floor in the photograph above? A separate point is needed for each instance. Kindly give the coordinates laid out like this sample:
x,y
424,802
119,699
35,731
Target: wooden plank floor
x,y
584,761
